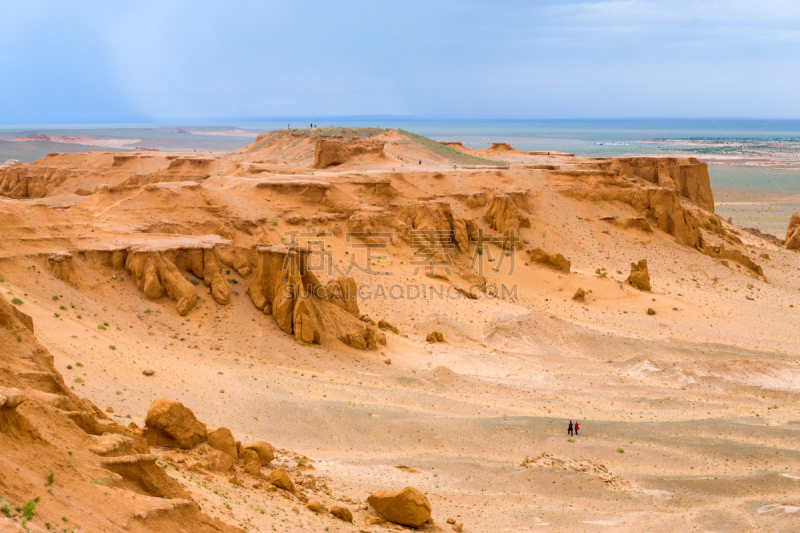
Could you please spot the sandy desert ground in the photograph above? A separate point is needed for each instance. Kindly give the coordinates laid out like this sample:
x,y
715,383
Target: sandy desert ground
x,y
176,264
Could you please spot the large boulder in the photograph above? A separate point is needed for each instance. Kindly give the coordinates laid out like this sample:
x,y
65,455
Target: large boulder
x,y
251,462
640,276
281,479
219,461
222,439
793,233
265,451
342,513
169,423
407,507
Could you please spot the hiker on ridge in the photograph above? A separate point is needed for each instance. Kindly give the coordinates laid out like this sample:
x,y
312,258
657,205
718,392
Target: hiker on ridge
x,y
569,430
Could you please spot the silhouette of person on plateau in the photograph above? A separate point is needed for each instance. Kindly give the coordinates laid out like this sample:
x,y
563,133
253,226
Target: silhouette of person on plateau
x,y
569,429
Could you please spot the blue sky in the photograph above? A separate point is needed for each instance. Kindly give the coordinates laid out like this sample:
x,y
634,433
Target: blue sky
x,y
203,61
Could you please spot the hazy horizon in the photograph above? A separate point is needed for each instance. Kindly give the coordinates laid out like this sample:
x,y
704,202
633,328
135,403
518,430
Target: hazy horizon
x,y
200,61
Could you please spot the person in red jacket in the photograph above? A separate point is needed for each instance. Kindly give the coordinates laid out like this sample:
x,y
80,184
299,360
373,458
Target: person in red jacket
x,y
577,427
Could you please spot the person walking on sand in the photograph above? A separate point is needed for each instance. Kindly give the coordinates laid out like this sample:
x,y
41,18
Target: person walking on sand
x,y
569,429
577,427
454,166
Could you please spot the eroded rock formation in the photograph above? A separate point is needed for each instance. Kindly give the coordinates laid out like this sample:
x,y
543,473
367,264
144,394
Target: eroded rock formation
x,y
331,153
554,261
503,214
792,241
282,286
687,177
41,418
639,276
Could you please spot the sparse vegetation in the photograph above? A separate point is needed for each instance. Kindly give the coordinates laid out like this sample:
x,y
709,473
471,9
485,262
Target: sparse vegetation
x,y
112,347
16,301
27,510
50,479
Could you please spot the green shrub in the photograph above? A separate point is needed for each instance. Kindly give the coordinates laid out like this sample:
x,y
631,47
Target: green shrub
x,y
101,326
51,477
27,509
55,297
620,450
112,346
148,310
16,301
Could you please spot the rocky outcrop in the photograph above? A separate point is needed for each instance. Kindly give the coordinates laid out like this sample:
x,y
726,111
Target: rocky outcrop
x,y
639,223
34,180
639,276
407,507
720,252
157,272
555,261
169,423
580,295
61,263
435,225
282,286
662,205
770,238
503,215
141,474
435,336
792,241
108,466
331,153
687,177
